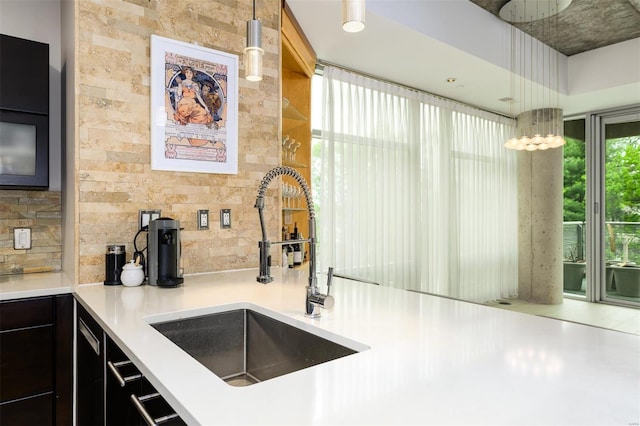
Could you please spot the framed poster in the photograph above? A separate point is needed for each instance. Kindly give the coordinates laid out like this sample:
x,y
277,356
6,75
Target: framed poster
x,y
194,108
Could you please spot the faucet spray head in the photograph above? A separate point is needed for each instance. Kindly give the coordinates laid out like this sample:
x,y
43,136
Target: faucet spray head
x,y
264,276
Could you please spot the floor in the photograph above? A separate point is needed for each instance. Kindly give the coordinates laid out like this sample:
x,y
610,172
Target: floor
x,y
596,314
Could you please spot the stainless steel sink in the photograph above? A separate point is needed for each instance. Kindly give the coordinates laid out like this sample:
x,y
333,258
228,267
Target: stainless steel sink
x,y
244,347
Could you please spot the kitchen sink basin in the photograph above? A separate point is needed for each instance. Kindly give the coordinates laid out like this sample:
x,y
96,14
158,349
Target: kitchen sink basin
x,y
244,347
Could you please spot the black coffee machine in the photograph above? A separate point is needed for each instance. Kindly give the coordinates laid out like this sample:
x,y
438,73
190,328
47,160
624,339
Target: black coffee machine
x,y
164,249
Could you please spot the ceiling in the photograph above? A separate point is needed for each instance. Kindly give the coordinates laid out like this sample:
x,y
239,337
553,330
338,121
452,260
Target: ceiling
x,y
422,43
585,25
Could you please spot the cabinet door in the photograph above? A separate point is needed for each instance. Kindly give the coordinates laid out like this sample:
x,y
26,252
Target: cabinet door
x,y
26,361
63,371
90,370
24,75
34,411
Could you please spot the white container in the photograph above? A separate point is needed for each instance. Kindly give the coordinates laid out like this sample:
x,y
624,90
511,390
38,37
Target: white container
x,y
132,275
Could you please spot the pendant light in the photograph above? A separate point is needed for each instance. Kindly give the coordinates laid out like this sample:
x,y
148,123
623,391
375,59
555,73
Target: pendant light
x,y
352,15
253,52
539,116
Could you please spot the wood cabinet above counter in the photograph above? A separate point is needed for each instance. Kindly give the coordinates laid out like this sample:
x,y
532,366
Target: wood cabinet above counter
x,y
298,68
297,53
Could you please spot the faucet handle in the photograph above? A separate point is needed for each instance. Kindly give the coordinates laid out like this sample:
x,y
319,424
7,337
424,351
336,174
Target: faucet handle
x,y
325,301
329,279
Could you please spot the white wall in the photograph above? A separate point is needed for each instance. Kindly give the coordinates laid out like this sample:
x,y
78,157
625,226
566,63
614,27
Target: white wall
x,y
615,65
39,20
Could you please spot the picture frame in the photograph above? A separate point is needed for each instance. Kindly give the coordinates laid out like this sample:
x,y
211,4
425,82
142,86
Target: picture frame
x,y
194,108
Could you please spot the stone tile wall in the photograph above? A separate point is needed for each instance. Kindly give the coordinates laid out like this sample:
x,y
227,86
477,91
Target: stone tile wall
x,y
113,175
42,212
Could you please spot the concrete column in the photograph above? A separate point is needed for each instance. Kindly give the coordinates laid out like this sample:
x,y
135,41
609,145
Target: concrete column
x,y
540,199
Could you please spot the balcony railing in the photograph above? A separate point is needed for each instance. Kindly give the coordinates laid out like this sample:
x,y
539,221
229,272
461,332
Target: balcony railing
x,y
620,237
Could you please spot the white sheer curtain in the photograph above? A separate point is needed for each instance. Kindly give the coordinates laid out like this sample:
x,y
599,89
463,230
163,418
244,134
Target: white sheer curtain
x,y
415,192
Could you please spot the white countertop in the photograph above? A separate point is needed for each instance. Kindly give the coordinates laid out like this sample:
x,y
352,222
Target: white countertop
x,y
33,285
430,360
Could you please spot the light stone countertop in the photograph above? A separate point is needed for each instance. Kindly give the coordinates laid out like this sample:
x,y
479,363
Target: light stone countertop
x,y
426,359
33,285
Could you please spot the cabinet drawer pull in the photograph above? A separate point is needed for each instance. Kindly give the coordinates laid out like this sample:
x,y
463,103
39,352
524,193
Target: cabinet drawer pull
x,y
138,401
89,336
113,366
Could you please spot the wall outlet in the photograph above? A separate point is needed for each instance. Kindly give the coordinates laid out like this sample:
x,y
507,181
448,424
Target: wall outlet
x,y
225,218
203,219
21,238
146,216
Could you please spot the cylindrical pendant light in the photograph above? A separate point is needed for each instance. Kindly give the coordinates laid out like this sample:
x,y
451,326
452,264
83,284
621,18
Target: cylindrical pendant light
x,y
253,52
353,15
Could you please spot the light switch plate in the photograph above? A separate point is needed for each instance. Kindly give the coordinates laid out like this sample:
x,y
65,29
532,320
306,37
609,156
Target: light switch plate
x,y
146,216
21,238
203,219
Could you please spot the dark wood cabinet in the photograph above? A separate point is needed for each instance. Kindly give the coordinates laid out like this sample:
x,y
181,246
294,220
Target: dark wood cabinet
x,y
24,85
108,380
63,364
90,361
124,382
35,337
24,113
123,379
27,363
34,411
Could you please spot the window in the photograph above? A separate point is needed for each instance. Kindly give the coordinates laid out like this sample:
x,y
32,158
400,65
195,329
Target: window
x,y
406,188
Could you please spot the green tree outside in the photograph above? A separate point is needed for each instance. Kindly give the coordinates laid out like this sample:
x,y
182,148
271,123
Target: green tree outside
x,y
622,174
622,192
574,181
622,178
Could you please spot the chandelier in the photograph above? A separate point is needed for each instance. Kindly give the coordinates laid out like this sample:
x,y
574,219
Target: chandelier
x,y
535,75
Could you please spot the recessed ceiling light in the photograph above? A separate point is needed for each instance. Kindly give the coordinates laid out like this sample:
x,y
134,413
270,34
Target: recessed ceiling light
x,y
451,80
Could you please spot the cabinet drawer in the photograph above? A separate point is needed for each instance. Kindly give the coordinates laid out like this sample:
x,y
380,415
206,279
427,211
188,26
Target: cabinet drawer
x,y
123,379
120,406
26,313
157,408
26,362
36,411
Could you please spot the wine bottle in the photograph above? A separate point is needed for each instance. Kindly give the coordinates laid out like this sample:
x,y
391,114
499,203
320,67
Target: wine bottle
x,y
290,255
297,248
285,259
297,252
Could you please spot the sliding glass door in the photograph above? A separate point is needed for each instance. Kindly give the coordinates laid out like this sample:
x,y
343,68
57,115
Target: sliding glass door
x,y
612,214
621,233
